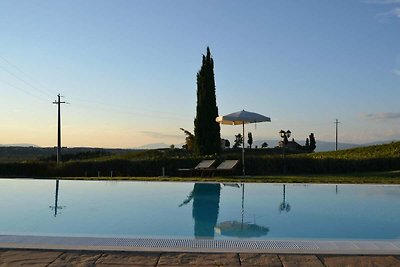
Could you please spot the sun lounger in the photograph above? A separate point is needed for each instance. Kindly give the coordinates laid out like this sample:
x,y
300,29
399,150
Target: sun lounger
x,y
227,166
203,165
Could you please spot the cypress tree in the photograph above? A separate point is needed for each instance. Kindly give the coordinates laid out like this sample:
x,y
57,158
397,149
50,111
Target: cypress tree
x,y
250,139
312,142
206,129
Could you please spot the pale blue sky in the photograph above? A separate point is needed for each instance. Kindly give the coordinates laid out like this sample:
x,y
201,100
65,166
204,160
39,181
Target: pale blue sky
x,y
128,68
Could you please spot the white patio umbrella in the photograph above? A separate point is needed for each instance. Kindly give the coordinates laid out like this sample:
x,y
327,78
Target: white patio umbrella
x,y
242,117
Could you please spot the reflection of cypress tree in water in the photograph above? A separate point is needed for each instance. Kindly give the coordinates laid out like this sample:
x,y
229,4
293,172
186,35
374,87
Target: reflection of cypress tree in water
x,y
205,209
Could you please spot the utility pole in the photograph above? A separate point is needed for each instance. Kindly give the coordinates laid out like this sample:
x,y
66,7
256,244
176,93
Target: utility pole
x,y
337,123
58,102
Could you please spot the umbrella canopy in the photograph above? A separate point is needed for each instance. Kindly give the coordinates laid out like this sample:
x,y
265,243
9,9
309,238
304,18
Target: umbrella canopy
x,y
242,117
241,230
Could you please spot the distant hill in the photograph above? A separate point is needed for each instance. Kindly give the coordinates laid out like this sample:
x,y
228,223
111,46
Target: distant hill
x,y
18,145
330,146
321,145
22,153
158,145
153,146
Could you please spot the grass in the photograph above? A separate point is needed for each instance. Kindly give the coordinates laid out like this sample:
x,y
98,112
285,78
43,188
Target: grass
x,y
388,177
391,150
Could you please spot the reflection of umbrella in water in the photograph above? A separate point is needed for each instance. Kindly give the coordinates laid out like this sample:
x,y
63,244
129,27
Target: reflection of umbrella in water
x,y
242,117
241,229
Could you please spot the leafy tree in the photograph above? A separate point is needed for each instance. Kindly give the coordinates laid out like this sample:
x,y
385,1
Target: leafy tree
x,y
307,142
264,145
312,142
238,141
189,140
250,139
206,129
226,143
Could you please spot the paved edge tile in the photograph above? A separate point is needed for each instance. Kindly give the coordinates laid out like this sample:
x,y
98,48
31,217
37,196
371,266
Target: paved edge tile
x,y
289,260
258,259
360,260
28,257
129,258
199,259
76,258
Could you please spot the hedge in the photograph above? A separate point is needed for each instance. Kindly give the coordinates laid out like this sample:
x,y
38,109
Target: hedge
x,y
266,165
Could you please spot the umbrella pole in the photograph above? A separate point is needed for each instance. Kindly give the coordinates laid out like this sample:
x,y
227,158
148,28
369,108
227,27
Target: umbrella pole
x,y
244,172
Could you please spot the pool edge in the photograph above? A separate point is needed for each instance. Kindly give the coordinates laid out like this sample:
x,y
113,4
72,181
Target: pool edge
x,y
349,247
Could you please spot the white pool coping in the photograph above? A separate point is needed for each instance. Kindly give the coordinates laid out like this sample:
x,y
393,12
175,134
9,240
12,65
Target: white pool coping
x,y
348,247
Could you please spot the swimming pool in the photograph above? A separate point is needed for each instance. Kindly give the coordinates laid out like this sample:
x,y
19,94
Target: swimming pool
x,y
199,210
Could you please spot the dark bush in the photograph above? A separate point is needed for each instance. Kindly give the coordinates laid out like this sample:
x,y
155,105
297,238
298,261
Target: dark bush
x,y
150,163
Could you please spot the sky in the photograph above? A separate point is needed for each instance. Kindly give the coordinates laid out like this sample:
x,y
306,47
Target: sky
x,y
128,69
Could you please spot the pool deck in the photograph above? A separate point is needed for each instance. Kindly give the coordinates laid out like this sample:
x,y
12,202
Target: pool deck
x,y
50,258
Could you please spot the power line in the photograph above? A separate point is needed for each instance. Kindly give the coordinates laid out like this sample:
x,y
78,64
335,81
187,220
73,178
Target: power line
x,y
125,110
96,105
21,79
23,90
106,107
25,82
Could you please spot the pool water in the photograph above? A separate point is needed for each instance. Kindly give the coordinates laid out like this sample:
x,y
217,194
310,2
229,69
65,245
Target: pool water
x,y
199,210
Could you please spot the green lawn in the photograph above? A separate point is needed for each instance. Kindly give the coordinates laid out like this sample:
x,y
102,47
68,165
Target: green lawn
x,y
390,177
